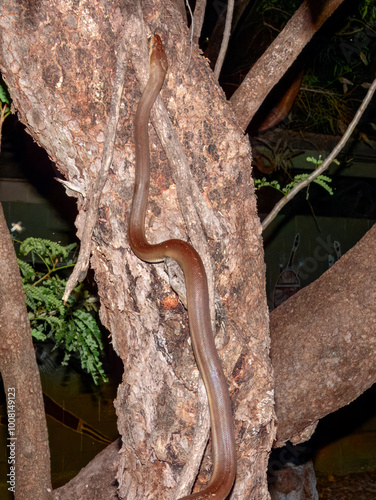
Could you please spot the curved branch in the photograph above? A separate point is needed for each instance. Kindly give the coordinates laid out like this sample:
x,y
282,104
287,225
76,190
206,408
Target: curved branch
x,y
323,343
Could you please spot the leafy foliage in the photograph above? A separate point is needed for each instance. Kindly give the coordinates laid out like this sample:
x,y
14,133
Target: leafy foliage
x,y
73,325
4,106
321,180
4,95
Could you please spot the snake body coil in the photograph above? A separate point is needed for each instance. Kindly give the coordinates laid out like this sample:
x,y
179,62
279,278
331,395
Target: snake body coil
x,y
223,440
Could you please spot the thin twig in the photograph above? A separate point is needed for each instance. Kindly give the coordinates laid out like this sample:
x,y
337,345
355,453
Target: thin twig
x,y
277,208
94,196
319,91
226,38
192,29
272,27
199,16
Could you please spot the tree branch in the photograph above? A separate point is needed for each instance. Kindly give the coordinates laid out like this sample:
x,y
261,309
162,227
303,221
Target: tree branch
x,y
280,55
283,201
21,379
323,343
198,17
226,38
96,479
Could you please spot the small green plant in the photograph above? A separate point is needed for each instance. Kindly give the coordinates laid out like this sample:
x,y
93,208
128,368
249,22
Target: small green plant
x,y
72,325
321,180
4,106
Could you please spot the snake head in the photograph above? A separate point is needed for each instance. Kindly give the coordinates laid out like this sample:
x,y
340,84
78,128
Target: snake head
x,y
157,55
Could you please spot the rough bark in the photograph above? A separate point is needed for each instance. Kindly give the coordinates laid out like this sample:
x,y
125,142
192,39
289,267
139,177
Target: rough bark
x,y
278,58
96,481
58,60
323,343
28,439
294,483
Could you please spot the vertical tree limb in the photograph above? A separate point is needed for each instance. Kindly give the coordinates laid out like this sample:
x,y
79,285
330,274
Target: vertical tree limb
x,y
20,375
198,17
226,38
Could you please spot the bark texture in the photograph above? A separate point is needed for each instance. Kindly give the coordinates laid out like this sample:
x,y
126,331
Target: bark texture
x,y
28,438
323,343
294,483
58,59
96,481
280,55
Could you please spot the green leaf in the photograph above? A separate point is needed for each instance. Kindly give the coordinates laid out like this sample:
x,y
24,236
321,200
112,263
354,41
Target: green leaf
x,y
323,180
27,271
4,95
38,335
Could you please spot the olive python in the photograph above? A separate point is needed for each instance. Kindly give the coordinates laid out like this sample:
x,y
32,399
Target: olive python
x,y
207,359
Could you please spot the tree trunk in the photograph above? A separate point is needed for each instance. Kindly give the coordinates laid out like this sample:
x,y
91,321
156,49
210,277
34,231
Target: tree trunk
x,y
28,454
58,60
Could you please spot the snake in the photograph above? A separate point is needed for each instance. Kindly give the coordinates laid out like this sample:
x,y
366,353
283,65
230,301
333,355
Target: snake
x,y
205,352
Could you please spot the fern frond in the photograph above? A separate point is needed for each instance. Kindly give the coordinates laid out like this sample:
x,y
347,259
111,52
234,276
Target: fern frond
x,y
323,180
92,326
70,325
46,248
27,271
38,334
42,296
